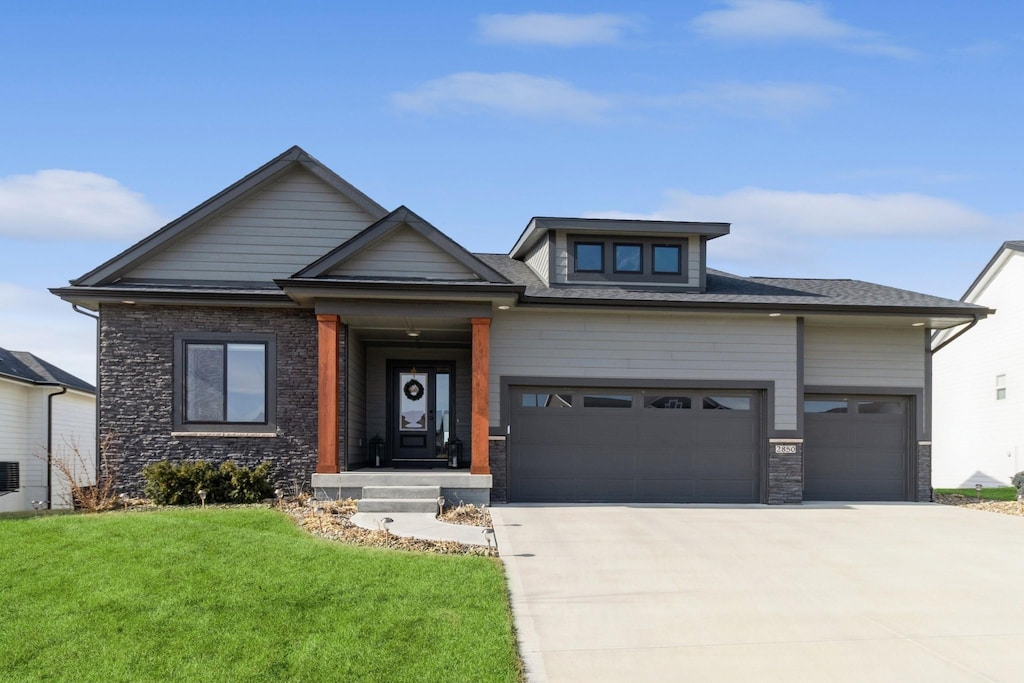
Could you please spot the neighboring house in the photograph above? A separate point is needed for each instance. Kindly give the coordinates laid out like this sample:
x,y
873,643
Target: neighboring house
x,y
292,318
979,383
42,409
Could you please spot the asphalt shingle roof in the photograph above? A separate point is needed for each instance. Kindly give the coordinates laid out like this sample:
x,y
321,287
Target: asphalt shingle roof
x,y
31,368
725,288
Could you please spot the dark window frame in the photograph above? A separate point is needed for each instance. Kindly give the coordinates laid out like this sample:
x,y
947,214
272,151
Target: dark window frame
x,y
679,262
181,340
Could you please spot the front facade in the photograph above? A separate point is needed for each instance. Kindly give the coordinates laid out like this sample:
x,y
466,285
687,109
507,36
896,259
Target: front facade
x,y
292,319
979,407
47,417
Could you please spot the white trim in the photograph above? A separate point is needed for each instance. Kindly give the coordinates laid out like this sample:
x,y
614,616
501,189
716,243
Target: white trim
x,y
496,438
785,440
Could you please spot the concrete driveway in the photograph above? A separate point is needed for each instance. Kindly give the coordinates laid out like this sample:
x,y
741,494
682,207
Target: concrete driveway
x,y
818,592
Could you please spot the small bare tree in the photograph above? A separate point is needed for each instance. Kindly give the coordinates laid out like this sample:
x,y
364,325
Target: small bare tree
x,y
74,469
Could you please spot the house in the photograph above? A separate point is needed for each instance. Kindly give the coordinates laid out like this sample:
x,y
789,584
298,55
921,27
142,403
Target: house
x,y
979,382
292,318
43,410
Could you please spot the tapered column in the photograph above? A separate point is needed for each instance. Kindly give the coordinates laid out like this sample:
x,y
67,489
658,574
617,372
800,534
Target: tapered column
x,y
327,394
479,463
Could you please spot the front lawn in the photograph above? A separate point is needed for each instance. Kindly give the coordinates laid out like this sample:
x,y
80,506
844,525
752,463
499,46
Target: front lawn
x,y
994,493
239,594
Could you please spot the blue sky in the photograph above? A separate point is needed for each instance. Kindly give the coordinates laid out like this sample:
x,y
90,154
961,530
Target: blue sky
x,y
871,140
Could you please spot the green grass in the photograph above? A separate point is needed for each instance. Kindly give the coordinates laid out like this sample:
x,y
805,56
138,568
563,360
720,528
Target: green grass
x,y
995,493
239,594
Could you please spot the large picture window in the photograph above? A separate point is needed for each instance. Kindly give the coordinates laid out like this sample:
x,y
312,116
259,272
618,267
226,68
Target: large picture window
x,y
223,380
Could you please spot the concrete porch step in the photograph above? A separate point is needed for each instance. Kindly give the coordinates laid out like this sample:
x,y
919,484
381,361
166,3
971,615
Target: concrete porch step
x,y
397,505
402,492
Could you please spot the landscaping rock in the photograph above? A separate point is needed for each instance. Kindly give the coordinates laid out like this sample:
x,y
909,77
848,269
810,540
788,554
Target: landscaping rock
x,y
1005,507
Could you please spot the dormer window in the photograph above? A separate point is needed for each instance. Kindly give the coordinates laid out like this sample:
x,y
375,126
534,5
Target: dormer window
x,y
589,257
667,259
640,260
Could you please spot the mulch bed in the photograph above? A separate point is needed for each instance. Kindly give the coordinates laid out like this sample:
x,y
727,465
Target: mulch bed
x,y
335,524
1005,507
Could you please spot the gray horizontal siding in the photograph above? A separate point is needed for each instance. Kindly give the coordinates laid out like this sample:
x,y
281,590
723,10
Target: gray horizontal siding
x,y
270,235
864,357
646,347
404,253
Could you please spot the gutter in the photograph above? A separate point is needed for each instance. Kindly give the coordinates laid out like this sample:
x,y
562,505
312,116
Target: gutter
x,y
956,336
49,445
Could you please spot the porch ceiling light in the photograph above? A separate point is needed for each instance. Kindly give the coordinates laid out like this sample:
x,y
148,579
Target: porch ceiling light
x,y
774,315
917,324
413,333
504,307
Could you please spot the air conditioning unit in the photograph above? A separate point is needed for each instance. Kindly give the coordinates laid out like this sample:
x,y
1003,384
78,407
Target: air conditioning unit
x,y
9,477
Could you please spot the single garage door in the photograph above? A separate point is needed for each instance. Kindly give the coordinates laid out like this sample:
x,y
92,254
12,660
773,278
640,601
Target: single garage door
x,y
856,447
625,445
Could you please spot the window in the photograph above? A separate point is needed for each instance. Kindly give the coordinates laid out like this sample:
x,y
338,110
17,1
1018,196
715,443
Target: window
x,y
1000,387
880,406
667,259
726,403
607,401
628,258
547,400
589,257
224,381
668,402
823,405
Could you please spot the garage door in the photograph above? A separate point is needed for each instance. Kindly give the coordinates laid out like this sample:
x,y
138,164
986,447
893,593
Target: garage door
x,y
856,447
624,445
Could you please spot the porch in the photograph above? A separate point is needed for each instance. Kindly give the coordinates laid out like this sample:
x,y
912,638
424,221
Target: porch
x,y
457,486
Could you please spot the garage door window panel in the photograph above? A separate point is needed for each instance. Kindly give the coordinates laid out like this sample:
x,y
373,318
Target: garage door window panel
x,y
547,401
607,401
668,402
736,403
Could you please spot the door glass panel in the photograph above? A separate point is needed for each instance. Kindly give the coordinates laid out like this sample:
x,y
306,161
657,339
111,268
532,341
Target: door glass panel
x,y
726,403
607,401
822,405
442,410
412,397
880,407
668,402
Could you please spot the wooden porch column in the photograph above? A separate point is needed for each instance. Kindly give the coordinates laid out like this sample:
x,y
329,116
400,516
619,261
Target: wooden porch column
x,y
327,394
480,462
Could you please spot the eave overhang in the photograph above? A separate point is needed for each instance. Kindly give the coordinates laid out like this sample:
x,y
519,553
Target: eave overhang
x,y
307,291
91,297
540,225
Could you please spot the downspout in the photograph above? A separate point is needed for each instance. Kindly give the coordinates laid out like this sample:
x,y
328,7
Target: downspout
x,y
49,445
956,336
96,412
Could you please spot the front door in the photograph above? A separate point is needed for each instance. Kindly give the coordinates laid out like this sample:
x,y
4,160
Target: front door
x,y
422,413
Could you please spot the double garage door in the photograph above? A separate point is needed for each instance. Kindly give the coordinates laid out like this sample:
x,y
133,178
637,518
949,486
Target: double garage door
x,y
634,445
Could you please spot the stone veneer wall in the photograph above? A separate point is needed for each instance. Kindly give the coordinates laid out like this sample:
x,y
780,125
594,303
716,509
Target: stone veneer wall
x,y
136,389
497,453
924,472
785,473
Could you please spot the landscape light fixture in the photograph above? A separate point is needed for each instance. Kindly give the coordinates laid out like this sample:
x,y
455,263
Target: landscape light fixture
x,y
319,512
202,497
440,504
280,497
978,487
124,500
488,535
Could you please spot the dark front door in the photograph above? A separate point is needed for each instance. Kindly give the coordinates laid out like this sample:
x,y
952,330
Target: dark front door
x,y
422,413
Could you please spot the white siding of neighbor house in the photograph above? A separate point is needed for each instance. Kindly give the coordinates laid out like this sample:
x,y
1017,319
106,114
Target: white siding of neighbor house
x,y
645,346
539,259
23,439
272,234
74,442
404,253
376,383
864,356
977,438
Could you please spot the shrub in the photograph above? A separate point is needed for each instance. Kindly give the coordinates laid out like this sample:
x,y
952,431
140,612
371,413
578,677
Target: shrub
x,y
179,484
1018,483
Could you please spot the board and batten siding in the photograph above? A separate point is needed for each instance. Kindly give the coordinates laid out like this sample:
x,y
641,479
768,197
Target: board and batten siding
x,y
978,438
403,254
539,260
644,346
864,356
272,234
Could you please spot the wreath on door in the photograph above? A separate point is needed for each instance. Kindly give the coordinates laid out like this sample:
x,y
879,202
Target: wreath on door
x,y
413,390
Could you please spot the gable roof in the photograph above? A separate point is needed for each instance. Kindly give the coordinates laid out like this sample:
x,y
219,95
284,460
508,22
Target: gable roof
x,y
255,181
26,367
991,267
374,234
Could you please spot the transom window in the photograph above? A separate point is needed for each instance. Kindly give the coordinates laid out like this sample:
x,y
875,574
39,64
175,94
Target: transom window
x,y
224,381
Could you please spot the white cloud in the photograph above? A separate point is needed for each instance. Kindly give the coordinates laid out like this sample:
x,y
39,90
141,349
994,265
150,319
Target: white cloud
x,y
512,93
770,224
788,20
559,30
758,100
72,204
34,320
